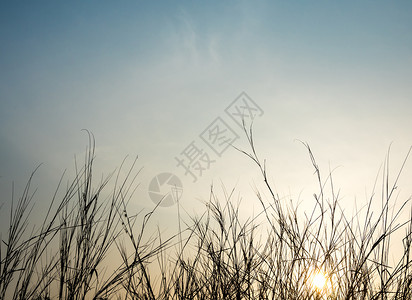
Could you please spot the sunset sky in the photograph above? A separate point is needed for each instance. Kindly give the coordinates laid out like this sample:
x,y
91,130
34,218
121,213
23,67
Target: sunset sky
x,y
148,78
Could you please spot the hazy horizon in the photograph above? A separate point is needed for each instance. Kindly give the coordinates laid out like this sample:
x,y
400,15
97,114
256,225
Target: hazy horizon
x,y
148,79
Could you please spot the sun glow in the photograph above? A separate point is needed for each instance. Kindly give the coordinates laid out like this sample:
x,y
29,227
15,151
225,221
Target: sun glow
x,y
319,280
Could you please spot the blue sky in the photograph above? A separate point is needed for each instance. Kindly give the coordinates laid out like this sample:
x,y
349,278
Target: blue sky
x,y
148,77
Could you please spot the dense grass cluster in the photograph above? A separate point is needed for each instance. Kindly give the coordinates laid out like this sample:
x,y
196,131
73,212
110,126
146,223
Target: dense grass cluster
x,y
216,255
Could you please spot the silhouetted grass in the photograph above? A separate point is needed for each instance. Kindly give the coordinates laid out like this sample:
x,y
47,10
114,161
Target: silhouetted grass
x,y
216,255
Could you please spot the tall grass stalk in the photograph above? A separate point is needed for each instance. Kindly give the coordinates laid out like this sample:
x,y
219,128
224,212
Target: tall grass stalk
x,y
218,254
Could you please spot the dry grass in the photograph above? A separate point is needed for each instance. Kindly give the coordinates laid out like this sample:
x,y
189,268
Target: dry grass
x,y
217,254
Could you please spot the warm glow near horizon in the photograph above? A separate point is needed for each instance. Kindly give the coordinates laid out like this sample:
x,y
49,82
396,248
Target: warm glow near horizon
x,y
170,83
319,280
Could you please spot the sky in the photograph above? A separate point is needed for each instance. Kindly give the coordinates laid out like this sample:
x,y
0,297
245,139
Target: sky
x,y
149,78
